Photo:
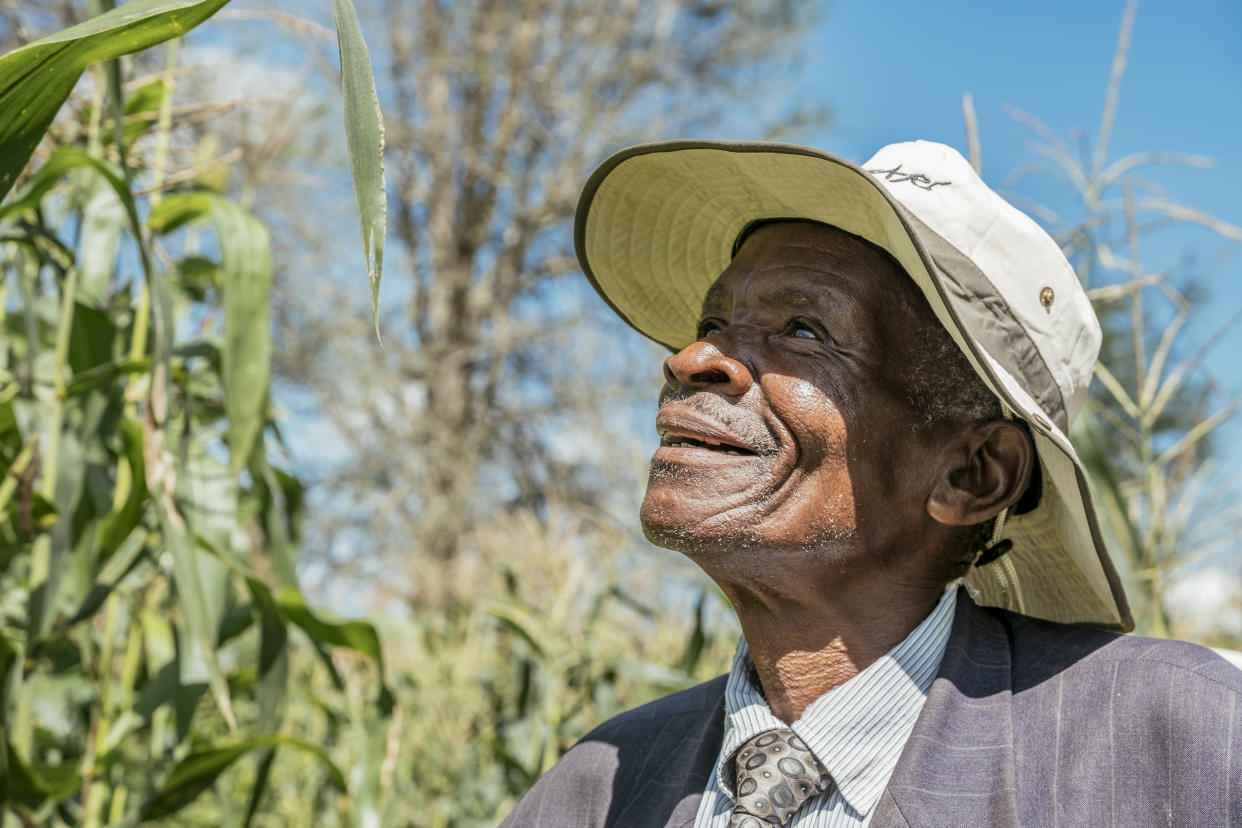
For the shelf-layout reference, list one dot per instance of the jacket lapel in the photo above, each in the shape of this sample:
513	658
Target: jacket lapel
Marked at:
668	794
958	766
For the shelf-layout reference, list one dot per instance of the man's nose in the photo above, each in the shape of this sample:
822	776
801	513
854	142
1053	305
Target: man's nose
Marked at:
703	364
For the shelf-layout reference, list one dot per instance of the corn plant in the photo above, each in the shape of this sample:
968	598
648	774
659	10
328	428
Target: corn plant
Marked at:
1145	434
147	541
569	626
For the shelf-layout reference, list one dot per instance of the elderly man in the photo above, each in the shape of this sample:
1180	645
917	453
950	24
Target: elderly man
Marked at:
863	442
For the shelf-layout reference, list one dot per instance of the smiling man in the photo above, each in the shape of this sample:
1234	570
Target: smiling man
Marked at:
863	443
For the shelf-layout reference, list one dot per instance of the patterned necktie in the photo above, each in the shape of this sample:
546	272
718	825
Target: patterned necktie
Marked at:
776	773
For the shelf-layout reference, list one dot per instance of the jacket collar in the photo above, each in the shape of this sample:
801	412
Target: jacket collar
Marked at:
958	765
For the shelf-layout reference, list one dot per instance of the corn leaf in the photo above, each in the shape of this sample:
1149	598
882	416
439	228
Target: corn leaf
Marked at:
260	784
37	78
364	137
119	565
273	657
246	272
270	688
246	282
62	162
522	623
105	374
21	788
196	772
359	636
1106	486
103	225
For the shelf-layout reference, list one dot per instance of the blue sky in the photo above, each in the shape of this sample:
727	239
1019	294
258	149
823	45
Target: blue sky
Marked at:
897	70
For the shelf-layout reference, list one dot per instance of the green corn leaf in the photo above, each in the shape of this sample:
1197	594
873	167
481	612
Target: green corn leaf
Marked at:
179	209
522	623
141	109
198	275
119	565
356	635
9	483
9	656
92	338
105	374
10	434
280	502
59	164
270	688
37	78
364	137
21	787
39	185
162	668
118	525
359	636
260	785
698	638
103	226
198	771
246	274
273	656
246	282
66	160
193	573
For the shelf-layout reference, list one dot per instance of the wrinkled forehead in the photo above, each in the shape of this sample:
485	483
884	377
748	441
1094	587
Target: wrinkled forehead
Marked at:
799	263
776	291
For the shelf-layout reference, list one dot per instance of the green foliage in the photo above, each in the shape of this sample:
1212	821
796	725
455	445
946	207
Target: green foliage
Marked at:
496	690
146	541
37	78
364	134
245	281
196	772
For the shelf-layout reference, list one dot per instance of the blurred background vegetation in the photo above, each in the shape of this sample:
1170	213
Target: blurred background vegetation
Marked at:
210	458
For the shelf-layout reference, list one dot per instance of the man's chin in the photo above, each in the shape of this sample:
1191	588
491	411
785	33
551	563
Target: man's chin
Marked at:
682	525
688	506
669	536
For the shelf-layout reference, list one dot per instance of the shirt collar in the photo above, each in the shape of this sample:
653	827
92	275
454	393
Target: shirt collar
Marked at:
856	730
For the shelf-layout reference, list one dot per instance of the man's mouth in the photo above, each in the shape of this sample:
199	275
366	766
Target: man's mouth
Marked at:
689	434
682	441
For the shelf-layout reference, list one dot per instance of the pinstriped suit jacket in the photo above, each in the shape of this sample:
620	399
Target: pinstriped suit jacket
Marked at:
1027	723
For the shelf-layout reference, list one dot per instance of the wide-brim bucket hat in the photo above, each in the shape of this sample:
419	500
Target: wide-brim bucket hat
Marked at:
657	224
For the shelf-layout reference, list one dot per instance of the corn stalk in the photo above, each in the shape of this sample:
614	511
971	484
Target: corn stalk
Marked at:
146	541
1145	435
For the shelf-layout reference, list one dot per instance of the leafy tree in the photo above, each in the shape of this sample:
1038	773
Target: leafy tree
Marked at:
477	404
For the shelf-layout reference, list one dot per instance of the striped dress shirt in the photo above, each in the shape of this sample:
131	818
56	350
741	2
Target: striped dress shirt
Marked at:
856	731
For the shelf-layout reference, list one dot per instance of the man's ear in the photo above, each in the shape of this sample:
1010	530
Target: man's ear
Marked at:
988	466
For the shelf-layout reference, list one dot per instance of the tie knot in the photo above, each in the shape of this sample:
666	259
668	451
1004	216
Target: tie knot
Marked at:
776	773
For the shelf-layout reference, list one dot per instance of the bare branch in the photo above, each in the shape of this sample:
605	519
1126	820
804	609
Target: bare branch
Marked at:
1111	293
972	132
1113	94
1200	431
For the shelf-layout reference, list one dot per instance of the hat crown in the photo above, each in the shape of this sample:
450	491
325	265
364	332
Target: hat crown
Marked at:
1020	262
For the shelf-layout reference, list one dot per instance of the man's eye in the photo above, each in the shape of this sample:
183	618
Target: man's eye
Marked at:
708	327
802	331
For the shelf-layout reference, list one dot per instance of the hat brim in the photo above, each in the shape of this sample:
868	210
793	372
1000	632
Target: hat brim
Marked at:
656	225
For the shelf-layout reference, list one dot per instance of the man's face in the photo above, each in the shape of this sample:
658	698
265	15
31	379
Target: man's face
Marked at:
787	427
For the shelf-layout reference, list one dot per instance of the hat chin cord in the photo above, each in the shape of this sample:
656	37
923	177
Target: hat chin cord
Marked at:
997	547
